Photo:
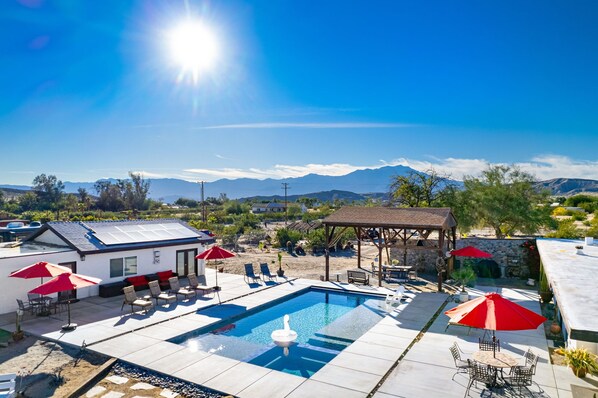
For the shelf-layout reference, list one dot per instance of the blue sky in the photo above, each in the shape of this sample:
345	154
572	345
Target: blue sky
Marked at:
90	88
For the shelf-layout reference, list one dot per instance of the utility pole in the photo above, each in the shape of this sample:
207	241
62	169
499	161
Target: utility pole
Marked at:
203	204
285	186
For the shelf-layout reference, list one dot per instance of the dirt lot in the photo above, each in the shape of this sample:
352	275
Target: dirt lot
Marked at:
46	369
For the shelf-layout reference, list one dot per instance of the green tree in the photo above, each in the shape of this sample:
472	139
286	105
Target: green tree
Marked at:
316	238
504	198
593	230
284	235
49	191
134	192
417	189
84	198
71	203
110	196
29	201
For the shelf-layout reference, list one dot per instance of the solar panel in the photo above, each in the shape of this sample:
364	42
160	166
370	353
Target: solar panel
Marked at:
140	233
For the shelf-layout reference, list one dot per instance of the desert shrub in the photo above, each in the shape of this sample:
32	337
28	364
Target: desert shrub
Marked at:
559	211
285	235
566	230
578	216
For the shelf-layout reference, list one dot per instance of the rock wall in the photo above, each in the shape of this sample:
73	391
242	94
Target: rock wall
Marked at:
508	253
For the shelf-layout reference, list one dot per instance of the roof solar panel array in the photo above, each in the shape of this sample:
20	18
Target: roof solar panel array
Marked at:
123	234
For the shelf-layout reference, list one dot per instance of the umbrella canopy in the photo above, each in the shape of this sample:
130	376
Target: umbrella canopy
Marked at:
494	312
215	253
470	251
63	282
41	269
66	281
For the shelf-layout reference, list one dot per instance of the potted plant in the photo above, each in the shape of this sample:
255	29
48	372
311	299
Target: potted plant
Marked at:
464	276
544	290
579	360
18	333
280	271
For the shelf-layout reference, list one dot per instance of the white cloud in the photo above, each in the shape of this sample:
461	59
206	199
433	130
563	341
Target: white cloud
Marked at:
276	125
543	167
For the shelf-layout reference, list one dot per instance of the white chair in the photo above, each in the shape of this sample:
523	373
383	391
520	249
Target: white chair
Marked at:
8	385
396	297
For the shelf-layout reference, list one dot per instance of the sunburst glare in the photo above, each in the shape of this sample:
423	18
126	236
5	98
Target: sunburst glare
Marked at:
194	48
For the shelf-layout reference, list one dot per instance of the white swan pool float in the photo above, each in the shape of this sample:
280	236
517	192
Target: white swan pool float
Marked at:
284	337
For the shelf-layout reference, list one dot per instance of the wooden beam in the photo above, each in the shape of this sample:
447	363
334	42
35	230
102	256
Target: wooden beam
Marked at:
327	254
358	233
379	258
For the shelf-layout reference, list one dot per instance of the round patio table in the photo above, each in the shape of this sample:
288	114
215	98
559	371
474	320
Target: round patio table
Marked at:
500	360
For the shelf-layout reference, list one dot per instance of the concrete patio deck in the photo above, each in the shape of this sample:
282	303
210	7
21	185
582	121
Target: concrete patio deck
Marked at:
393	359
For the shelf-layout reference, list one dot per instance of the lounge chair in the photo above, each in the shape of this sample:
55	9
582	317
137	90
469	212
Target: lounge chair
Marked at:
8	385
134	301
250	274
265	271
158	294
176	288
397	297
195	285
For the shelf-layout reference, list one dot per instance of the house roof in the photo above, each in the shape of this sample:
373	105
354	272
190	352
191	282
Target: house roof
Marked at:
271	205
393	217
573	278
105	236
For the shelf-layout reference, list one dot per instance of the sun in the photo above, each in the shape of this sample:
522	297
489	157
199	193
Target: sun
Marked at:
193	47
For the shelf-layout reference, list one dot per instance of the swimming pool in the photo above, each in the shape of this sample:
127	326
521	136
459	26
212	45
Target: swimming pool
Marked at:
326	323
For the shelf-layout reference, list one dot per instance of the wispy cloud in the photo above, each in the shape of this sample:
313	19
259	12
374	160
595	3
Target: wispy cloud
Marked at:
335	125
543	167
222	157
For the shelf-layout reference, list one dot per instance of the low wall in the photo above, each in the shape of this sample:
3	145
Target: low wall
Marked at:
506	252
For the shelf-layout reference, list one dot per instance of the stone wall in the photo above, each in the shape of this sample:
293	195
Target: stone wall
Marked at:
508	253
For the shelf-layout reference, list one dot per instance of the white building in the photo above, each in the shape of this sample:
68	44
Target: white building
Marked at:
268	208
572	275
109	250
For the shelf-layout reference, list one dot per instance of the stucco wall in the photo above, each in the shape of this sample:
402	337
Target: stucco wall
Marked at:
96	265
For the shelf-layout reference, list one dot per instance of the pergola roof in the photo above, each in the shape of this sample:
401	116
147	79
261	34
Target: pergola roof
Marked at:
392	217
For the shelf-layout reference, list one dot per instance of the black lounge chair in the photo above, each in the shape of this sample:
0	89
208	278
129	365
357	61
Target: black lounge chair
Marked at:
250	274
265	271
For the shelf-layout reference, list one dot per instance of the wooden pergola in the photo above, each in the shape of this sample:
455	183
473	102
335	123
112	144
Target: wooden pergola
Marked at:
394	228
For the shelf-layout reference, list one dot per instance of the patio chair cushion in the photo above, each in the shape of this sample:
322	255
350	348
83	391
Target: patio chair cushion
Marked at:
163	276
139	281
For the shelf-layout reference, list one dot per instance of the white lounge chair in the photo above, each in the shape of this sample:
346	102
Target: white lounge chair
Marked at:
8	385
396	297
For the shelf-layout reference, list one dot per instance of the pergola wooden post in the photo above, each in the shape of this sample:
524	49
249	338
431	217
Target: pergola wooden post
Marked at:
393	225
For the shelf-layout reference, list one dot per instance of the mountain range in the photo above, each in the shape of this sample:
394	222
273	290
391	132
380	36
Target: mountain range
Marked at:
353	186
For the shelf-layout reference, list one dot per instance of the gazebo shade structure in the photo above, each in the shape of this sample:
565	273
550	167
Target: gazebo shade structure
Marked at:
395	226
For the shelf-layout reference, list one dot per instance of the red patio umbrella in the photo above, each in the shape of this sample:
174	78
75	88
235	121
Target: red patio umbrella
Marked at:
63	282
494	312
41	270
215	253
470	251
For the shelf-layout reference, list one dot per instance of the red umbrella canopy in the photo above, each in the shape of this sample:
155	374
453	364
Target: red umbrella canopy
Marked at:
40	270
494	312
215	253
470	251
64	282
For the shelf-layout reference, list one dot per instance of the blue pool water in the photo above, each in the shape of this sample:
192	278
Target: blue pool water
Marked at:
326	323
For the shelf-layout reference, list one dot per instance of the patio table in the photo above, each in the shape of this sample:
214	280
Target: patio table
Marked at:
498	360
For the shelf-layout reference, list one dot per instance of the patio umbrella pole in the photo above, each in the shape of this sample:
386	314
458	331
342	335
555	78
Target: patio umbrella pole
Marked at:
69	325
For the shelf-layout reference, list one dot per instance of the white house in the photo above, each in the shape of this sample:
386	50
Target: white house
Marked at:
109	250
268	208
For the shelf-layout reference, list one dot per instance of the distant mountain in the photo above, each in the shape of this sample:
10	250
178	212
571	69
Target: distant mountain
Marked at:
569	186
325	196
359	183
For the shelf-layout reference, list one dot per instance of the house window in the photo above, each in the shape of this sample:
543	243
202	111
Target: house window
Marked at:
123	266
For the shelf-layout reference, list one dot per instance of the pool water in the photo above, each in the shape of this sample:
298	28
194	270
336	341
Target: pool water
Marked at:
326	323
